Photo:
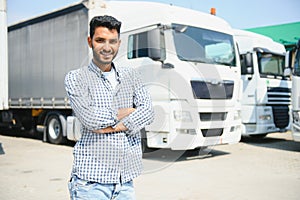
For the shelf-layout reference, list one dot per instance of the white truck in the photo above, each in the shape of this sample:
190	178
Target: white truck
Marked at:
294	63
266	97
187	59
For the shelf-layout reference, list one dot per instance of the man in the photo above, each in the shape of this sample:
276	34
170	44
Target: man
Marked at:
113	106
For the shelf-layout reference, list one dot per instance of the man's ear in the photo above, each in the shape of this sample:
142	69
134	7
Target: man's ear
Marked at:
89	40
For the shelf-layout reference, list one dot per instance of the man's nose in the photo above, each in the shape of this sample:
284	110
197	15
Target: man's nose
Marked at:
106	45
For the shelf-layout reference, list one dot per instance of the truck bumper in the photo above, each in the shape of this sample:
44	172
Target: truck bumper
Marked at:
188	139
257	129
296	132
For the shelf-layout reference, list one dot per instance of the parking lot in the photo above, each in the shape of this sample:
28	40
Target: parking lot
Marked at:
267	168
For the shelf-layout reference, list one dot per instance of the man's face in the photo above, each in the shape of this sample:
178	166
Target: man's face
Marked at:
105	44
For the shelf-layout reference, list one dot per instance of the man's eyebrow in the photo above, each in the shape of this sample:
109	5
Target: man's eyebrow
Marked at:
101	38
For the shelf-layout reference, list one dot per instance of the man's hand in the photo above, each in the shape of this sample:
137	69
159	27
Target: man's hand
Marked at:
123	112
120	127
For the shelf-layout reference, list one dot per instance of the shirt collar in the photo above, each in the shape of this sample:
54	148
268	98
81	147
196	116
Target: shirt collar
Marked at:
97	70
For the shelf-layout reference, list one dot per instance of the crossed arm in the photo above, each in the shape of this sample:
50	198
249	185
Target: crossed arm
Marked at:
104	119
123	112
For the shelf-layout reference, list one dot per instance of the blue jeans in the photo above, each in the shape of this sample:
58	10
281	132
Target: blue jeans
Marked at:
85	190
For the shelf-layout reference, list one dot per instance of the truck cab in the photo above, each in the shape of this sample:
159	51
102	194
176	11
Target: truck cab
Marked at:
293	58
192	70
266	97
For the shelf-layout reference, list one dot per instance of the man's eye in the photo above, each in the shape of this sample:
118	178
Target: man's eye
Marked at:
113	41
100	40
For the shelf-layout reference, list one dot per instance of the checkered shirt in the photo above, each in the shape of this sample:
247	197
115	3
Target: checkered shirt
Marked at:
108	158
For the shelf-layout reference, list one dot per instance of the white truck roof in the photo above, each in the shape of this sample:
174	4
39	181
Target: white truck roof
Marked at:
163	13
136	14
248	40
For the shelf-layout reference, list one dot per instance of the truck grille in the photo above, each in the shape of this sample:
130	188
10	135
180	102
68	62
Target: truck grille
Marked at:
281	116
212	132
219	116
212	90
278	95
280	98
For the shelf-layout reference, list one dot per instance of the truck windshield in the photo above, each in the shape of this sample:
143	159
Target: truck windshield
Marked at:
202	45
271	64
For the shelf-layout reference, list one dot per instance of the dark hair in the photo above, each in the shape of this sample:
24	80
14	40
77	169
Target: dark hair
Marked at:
104	21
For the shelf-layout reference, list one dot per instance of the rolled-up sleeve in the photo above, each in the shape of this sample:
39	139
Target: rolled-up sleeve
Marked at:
89	114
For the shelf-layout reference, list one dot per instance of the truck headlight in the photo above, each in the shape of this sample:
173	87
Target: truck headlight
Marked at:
265	117
184	116
186	131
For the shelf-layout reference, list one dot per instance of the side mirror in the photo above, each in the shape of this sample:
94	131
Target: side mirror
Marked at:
155	50
249	63
287	72
248	58
249	70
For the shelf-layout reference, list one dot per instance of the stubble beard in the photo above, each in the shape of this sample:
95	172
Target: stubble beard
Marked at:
102	62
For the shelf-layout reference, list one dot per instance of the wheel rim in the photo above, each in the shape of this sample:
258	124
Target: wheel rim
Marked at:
54	128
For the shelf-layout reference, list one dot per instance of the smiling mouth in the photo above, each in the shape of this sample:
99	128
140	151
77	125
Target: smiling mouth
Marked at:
106	54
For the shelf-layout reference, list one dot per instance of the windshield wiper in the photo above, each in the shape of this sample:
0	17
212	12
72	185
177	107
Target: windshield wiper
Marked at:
224	63
273	74
196	60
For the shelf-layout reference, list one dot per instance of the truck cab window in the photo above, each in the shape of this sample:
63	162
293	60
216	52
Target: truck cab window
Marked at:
271	64
147	44
203	45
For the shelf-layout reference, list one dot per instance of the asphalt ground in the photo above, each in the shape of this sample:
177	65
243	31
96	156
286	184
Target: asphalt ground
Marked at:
254	169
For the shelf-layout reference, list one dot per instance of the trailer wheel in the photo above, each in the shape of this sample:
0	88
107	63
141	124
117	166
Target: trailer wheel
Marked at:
54	129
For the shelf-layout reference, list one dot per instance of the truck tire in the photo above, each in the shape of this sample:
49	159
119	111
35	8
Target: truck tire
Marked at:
54	129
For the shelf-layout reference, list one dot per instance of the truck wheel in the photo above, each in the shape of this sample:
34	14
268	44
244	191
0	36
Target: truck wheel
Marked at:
54	130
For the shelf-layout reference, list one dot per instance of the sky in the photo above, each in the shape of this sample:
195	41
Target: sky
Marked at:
240	14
